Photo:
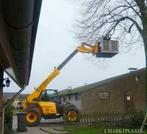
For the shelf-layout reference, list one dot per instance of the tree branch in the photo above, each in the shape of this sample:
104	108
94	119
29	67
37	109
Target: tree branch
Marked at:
133	8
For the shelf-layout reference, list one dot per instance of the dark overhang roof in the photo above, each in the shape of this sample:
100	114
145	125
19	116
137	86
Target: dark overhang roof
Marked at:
18	27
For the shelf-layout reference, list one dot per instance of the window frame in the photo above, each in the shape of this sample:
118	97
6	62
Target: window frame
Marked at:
104	95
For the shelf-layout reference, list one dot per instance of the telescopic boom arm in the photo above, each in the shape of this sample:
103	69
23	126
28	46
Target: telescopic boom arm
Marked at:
84	48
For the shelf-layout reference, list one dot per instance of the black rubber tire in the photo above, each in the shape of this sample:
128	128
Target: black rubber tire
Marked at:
37	113
71	109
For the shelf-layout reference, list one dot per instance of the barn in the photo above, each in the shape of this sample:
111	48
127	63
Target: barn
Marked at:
121	94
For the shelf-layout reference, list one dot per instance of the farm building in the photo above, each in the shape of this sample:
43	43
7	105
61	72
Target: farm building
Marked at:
121	94
9	95
18	101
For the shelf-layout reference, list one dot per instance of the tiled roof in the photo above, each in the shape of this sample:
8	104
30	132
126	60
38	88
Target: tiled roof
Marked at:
9	95
97	84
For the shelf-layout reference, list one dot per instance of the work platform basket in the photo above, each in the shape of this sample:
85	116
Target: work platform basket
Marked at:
107	48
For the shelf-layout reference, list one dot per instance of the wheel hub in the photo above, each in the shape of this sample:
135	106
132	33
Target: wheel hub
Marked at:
72	116
31	117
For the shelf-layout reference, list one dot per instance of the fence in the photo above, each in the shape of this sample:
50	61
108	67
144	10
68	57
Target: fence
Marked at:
111	119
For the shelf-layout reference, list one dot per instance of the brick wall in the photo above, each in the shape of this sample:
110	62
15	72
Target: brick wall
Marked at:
126	94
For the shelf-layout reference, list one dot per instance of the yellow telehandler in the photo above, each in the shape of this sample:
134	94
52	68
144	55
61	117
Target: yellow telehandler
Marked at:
46	102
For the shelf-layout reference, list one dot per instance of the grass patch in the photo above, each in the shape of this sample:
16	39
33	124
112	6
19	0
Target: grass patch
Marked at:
101	130
83	129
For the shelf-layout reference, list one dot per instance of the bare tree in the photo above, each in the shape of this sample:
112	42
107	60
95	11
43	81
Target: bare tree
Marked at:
116	18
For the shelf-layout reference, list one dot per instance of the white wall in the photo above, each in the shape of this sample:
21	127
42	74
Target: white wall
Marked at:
72	100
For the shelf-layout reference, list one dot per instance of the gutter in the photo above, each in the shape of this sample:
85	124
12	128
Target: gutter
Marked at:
21	22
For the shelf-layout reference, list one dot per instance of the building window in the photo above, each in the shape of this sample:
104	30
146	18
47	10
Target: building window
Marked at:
69	97
104	95
64	98
76	96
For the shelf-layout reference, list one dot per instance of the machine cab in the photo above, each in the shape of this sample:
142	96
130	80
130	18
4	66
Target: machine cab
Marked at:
50	104
50	95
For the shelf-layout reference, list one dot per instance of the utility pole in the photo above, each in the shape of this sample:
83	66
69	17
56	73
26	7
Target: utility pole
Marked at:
1	98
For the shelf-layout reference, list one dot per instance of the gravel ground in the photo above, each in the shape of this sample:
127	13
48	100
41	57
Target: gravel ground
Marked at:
52	126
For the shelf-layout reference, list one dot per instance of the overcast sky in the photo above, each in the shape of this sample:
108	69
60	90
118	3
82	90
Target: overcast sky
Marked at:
55	41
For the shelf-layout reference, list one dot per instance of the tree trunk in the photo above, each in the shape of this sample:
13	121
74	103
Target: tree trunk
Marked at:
1	99
146	80
143	12
145	49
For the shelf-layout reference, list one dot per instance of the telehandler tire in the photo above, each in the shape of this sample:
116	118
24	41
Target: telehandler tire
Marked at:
33	117
71	115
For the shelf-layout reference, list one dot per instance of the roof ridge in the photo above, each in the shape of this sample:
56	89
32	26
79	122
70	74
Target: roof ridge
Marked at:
99	83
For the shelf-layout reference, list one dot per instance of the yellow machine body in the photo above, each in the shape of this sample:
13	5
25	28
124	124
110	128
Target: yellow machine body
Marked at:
48	107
